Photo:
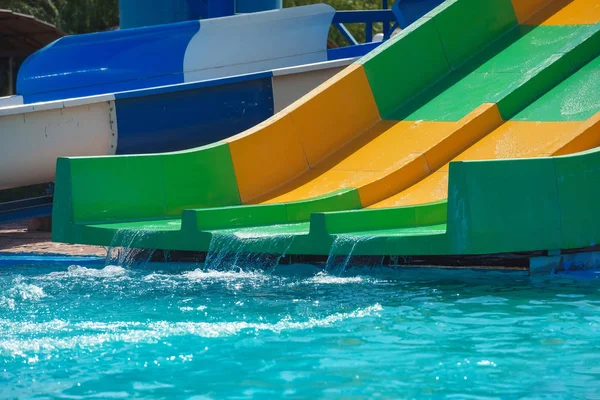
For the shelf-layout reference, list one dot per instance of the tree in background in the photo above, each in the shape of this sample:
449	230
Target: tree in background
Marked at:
71	16
83	16
357	30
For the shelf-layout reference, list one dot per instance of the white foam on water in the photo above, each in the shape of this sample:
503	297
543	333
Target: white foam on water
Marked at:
76	271
212	275
324	279
7	302
24	291
100	333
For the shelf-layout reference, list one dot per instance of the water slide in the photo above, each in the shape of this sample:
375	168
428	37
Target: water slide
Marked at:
161	88
472	132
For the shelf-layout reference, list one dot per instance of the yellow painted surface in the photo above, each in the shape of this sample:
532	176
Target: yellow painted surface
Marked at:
433	154
514	139
389	157
475	125
266	156
568	12
413	170
277	151
525	9
589	138
335	113
383	149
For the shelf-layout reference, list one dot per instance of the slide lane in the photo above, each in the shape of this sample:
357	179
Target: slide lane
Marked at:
394	154
564	120
328	125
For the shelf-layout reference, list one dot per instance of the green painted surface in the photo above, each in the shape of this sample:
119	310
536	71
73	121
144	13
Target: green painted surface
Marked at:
141	187
466	27
578	181
378	219
62	207
588	50
160	186
237	216
575	99
203	178
388	66
270	214
451	33
344	199
516	196
513	71
104	189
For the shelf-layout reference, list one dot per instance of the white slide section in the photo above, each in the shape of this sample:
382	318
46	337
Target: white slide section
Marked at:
290	84
11	101
33	136
264	41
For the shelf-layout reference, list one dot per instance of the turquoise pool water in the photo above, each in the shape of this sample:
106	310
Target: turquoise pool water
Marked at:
176	332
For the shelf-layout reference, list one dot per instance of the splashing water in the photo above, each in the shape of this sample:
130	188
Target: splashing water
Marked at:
345	244
236	251
124	248
204	332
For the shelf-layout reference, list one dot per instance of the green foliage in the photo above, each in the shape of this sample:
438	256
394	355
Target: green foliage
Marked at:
357	30
82	16
71	16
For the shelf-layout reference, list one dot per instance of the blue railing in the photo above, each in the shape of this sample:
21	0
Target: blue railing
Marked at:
402	14
368	17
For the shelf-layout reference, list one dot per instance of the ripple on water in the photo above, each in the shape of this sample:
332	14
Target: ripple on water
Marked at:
85	335
167	333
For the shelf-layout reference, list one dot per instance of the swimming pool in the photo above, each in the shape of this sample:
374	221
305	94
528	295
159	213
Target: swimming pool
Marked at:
175	331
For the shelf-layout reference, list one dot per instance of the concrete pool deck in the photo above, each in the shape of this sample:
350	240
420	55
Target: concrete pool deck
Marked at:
16	238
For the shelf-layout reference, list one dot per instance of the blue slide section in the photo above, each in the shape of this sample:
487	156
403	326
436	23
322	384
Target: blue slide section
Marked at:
159	120
84	65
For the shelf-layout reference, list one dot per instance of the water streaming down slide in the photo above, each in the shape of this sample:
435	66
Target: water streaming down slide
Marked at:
469	81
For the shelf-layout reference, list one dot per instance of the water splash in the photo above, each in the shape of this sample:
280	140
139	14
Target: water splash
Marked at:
337	264
322	278
124	248
224	276
235	251
24	291
21	292
76	271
